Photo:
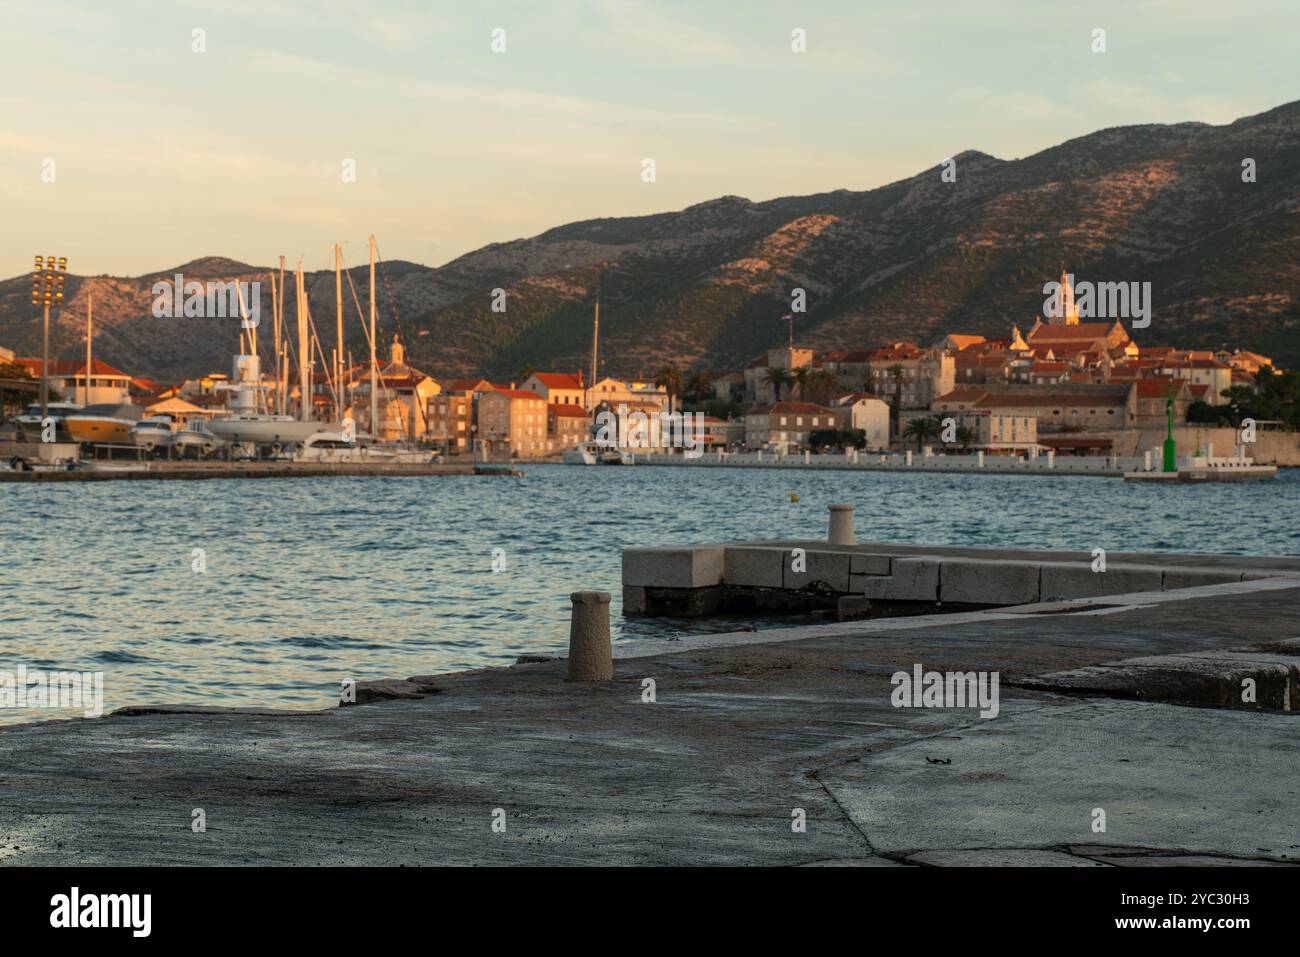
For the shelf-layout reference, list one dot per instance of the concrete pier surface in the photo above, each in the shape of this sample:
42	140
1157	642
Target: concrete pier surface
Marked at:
711	749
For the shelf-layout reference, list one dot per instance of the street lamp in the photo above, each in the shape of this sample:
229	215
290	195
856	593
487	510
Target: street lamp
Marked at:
47	289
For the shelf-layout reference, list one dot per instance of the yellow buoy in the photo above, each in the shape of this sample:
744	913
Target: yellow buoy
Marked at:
793	497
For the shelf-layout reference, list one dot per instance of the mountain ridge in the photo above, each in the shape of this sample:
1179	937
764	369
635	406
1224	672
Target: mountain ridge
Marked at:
706	286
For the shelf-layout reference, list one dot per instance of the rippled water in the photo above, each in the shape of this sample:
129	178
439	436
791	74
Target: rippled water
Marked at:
313	581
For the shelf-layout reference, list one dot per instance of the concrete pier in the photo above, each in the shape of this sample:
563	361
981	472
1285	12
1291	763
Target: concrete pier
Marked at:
746	577
1128	703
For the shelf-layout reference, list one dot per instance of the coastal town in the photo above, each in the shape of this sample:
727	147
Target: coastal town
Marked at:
1059	385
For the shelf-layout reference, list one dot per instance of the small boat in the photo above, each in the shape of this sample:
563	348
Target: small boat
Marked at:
154	433
328	447
102	423
197	438
29	423
588	453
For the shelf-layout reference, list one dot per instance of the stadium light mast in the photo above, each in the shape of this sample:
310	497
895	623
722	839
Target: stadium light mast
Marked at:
47	289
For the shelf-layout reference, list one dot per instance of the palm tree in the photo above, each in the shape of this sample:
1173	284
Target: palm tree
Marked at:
799	380
921	429
670	380
777	377
698	386
966	437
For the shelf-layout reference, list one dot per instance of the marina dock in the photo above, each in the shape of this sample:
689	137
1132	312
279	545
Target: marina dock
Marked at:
1129	703
161	471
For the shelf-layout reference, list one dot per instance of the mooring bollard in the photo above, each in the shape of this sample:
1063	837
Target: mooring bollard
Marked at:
590	655
841	532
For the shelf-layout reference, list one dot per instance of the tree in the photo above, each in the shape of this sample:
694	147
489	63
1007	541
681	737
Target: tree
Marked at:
921	429
15	397
799	380
966	437
777	377
820	439
698	387
670	380
820	386
526	372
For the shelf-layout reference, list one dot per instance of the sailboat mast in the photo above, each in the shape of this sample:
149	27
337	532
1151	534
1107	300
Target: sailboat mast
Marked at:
338	317
595	339
374	385
89	300
304	350
279	347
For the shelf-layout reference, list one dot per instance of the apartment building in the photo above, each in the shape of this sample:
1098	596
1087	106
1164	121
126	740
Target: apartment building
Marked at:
512	422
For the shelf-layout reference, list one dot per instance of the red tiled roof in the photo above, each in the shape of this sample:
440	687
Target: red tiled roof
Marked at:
568	409
1082	330
851	355
70	367
520	394
558	380
1156	388
897	350
962	395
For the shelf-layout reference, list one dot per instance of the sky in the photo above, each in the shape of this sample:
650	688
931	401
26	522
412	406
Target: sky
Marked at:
162	153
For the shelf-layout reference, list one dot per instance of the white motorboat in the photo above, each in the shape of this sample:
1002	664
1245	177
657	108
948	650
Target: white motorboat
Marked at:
588	453
593	453
197	438
154	433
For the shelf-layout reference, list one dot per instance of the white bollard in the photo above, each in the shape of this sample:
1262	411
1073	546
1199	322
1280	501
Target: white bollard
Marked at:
907	458
1051	458
979	458
841	530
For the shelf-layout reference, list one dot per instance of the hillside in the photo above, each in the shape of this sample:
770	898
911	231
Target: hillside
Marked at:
706	286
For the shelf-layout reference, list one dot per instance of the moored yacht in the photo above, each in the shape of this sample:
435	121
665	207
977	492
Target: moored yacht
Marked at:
246	424
102	423
29	423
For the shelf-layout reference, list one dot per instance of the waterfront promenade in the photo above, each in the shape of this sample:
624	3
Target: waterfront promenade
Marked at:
1099	466
745	731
